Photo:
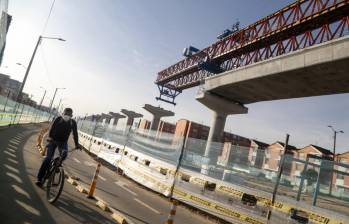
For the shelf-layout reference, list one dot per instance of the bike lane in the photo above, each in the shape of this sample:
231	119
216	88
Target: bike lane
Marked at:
20	200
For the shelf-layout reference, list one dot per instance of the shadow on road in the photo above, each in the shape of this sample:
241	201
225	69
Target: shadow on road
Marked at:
19	201
74	207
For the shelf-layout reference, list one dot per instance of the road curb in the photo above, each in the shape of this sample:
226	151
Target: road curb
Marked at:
81	189
74	180
100	203
118	217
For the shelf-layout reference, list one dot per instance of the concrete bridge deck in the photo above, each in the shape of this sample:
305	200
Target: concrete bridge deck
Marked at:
319	70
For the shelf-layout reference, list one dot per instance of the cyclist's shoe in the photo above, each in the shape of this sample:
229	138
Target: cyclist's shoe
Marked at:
38	183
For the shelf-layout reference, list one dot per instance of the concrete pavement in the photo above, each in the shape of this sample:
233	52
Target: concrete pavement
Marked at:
20	200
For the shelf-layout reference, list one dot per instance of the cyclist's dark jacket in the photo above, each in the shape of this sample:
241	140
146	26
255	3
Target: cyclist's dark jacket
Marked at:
60	130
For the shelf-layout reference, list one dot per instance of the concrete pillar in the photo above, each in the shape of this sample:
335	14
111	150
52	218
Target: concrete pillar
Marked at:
221	108
157	113
116	117
131	115
215	134
105	119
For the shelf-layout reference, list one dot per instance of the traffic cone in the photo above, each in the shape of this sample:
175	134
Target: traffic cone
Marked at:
94	182
170	218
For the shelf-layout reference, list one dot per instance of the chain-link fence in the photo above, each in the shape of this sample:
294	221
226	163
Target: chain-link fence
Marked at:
16	113
235	182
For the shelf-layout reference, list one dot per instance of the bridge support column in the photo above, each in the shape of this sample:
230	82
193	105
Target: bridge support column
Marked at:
157	113
116	117
221	108
131	115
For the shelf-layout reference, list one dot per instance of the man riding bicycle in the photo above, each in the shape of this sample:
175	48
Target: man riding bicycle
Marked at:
58	136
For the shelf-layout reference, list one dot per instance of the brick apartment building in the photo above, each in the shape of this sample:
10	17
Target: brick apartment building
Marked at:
341	180
272	161
243	157
165	130
256	153
234	156
197	134
317	151
144	124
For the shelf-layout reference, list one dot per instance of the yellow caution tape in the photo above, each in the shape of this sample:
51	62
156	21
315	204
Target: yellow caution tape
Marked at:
197	200
279	206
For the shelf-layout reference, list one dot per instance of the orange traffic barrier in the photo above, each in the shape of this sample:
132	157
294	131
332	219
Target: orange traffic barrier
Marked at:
170	218
40	139
94	182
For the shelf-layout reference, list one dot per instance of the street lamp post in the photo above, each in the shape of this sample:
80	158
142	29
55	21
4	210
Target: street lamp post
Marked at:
54	96
335	132
19	95
59	104
8	95
31	62
39	107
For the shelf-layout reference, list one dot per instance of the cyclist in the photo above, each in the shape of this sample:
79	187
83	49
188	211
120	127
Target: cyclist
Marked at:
58	136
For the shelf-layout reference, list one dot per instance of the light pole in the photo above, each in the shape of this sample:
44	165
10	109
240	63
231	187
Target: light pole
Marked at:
54	96
31	62
334	152
41	101
59	104
19	95
8	95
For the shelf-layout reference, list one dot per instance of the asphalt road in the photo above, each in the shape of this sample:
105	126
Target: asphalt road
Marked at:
139	204
21	202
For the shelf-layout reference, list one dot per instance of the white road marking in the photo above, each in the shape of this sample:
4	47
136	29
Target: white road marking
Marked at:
102	178
147	206
88	163
76	160
122	185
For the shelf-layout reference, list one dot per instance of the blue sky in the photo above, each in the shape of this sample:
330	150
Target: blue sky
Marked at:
115	48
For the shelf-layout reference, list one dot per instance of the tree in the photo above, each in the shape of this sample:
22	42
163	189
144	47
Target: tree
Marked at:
310	175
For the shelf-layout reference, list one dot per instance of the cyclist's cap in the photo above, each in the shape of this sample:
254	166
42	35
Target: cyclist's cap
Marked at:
68	111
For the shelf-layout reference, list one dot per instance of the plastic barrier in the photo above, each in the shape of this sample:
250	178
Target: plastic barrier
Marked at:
158	176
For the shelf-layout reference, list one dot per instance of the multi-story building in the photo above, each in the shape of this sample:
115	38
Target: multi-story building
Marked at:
196	136
272	160
257	153
9	87
318	151
341	177
166	127
234	156
244	158
5	21
166	131
236	139
144	124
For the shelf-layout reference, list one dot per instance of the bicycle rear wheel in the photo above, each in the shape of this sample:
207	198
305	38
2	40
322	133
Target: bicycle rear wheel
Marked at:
55	184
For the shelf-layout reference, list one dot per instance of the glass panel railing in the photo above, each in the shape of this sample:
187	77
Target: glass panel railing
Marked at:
12	113
240	177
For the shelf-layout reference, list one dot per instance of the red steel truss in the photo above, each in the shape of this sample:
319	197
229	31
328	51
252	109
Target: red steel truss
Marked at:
297	26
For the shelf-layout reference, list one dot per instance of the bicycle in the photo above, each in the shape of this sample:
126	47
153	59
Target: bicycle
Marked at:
55	178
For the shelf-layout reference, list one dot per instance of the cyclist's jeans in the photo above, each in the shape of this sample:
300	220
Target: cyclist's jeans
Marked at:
51	148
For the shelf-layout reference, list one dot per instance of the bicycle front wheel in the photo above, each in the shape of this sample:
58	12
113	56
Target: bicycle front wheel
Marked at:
55	184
